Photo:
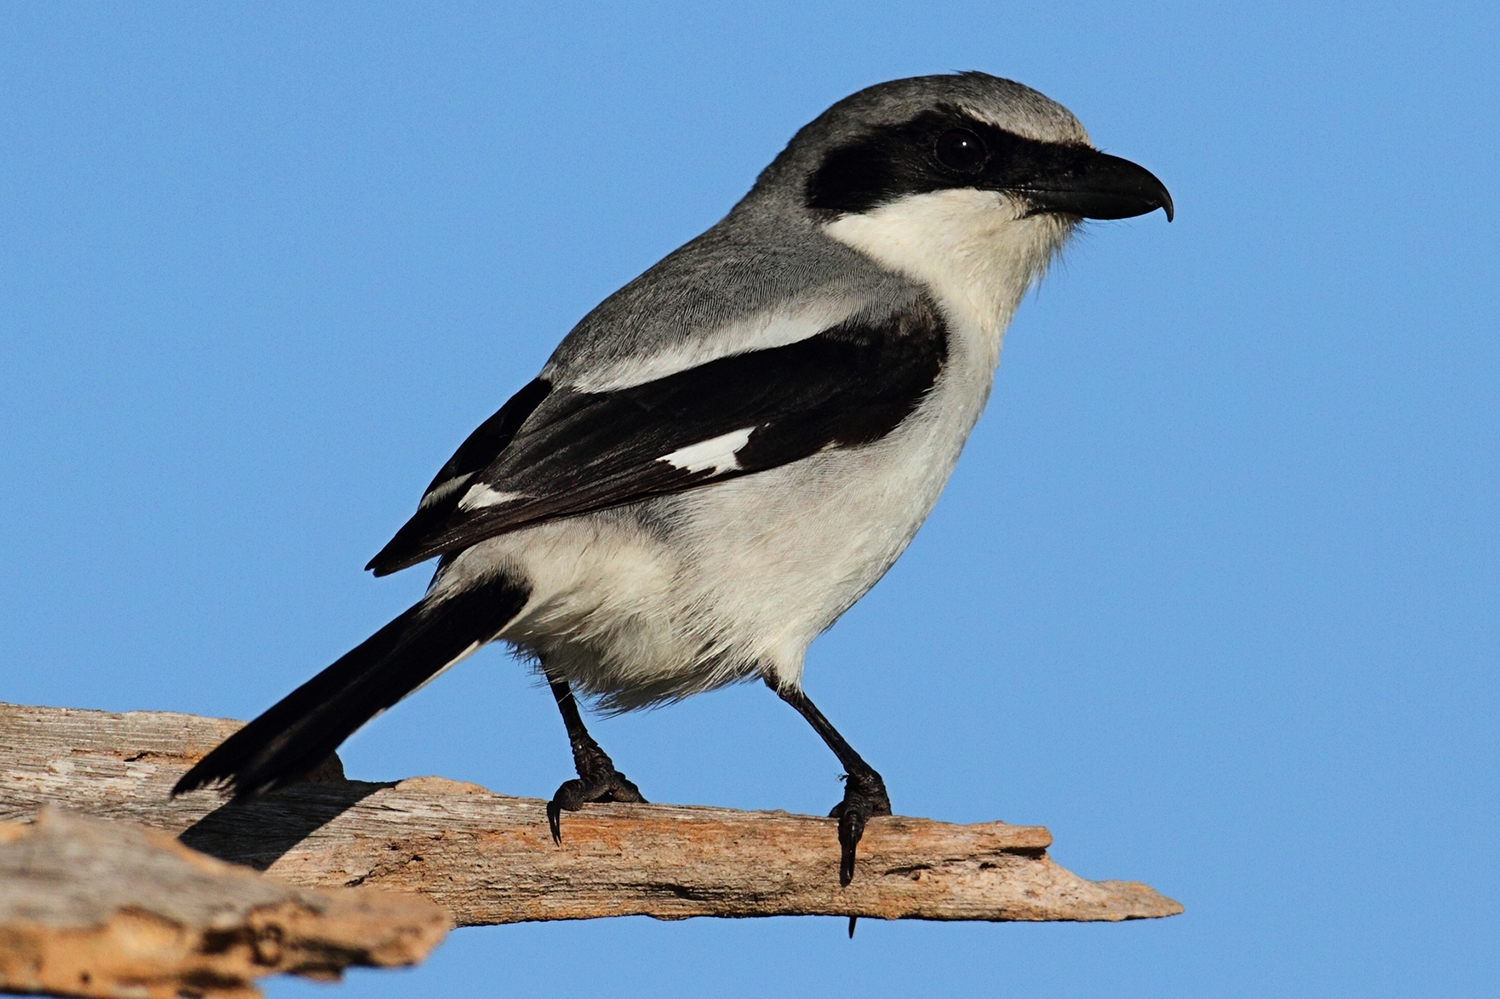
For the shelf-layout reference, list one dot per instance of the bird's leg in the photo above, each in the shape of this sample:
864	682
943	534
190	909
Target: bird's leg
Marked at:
864	790
598	780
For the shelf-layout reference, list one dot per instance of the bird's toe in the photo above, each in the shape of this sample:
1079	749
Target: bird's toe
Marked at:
864	796
574	794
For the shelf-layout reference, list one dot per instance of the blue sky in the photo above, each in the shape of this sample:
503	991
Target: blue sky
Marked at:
1213	592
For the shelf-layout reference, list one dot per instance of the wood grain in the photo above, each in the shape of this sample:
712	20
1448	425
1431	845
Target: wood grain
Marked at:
487	858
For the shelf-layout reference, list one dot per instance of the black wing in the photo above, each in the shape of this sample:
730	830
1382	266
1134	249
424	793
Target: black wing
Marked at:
555	453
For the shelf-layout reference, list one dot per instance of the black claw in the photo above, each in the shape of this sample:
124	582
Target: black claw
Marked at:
610	785
864	796
851	830
852	921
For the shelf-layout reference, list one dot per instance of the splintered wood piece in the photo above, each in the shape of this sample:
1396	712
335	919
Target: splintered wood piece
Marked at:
488	858
95	908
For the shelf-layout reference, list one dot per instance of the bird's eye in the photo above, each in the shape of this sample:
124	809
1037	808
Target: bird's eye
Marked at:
961	150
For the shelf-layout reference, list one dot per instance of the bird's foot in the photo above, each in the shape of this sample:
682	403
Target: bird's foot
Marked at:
864	796
598	781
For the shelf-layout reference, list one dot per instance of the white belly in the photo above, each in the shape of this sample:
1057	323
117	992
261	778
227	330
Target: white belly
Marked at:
681	594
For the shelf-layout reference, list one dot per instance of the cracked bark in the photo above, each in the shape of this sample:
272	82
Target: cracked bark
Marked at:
488	858
92	908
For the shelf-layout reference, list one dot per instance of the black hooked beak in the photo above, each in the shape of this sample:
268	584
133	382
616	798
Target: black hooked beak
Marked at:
1100	186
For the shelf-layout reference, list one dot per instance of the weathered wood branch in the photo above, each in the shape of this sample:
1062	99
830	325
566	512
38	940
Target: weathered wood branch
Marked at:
91	908
488	858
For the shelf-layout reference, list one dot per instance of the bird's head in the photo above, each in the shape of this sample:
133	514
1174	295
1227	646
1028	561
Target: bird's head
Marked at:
968	182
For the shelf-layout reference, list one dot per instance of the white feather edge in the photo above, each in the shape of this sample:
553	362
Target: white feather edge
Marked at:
793	322
482	495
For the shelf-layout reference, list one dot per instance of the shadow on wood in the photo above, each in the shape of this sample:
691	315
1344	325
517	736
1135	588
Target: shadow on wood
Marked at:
259	833
488	858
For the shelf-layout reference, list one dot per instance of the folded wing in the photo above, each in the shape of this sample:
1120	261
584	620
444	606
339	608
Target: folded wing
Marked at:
555	452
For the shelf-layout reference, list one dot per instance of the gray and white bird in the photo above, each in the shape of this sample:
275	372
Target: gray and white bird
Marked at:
729	451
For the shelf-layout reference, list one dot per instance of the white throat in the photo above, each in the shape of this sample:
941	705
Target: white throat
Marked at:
974	249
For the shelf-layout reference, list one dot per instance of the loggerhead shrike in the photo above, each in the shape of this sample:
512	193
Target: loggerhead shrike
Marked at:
729	451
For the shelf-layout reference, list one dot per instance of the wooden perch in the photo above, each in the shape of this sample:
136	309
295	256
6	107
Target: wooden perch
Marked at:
488	858
90	908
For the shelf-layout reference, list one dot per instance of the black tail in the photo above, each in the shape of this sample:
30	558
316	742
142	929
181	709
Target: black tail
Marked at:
304	728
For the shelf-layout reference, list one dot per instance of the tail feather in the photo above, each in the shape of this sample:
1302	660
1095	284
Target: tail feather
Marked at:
304	728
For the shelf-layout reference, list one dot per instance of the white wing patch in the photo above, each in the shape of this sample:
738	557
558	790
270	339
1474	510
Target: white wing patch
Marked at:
482	496
716	453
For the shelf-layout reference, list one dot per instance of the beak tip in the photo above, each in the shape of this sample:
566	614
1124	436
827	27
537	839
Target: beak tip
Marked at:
1103	187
